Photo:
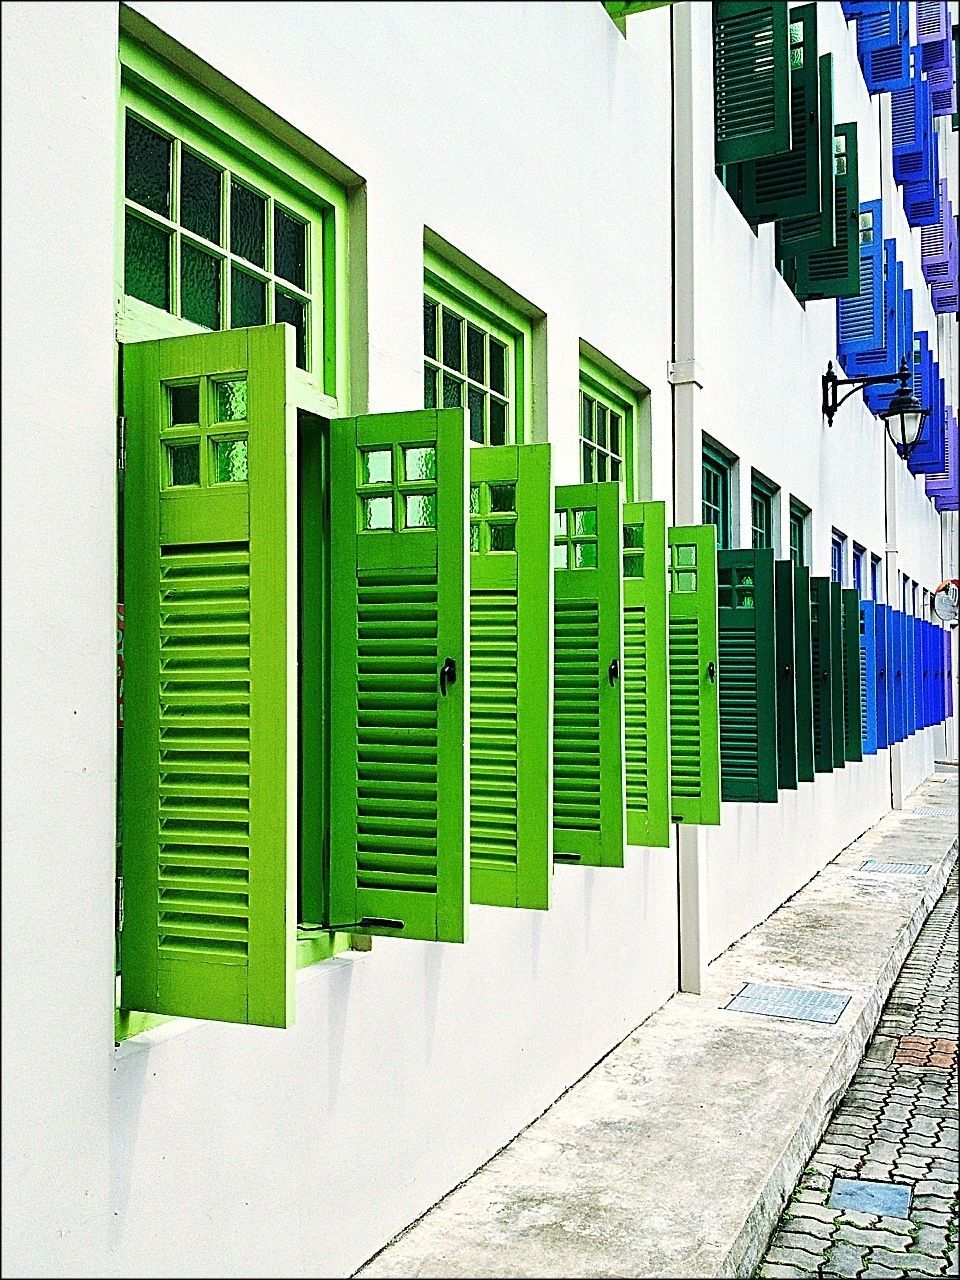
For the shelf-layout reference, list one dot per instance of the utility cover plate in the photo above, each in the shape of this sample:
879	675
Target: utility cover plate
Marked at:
885	1199
896	868
789	1002
932	811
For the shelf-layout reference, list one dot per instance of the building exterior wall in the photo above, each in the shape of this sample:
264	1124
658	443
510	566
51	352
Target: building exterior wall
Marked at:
537	141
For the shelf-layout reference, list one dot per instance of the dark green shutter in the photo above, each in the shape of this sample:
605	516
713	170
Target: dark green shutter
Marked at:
788	185
694	706
751	80
786	675
210	745
852	702
510	524
836	664
399	731
822	667
748	686
816	231
803	657
835	273
645	672
588	801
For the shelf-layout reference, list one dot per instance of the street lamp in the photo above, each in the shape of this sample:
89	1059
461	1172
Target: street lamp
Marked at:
904	416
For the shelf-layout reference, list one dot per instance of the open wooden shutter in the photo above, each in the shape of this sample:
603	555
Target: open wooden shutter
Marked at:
786	675
817	231
803	660
835	273
881	644
399	679
868	675
748	685
822	661
852	677
788	185
694	693
895	675
910	674
210	764
751	79
645	672
510	633
837	664
588	801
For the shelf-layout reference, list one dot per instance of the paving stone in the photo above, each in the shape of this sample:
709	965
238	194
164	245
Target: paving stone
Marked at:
846	1259
801	1258
809	1195
816	1212
775	1270
857	1219
930	1217
881	1272
871	1238
934	1188
932	1240
914	1264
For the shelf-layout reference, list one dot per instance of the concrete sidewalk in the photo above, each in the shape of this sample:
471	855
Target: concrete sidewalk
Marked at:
675	1155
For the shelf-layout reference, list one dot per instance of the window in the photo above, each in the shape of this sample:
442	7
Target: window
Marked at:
609	418
476	351
715	491
798	531
838	553
859	555
876	581
761	511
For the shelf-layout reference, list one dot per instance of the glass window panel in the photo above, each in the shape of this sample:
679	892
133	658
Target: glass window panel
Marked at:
452	392
601	466
498	366
184	404
376	466
614	423
503	497
248	213
475	399
289	310
199	286
560	555
420	463
146	264
585	521
429	387
248	303
586	463
474	499
452	340
147	178
685	555
184	463
429	328
498	421
289	248
377	513
200	196
586	416
584	555
231	464
560	523
232	400
633	535
421	510
475	537
685	581
614	469
633	565
601	426
476	362
503	537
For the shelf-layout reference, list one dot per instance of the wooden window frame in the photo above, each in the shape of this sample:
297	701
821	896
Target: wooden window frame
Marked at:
838	556
716	462
617	396
762	494
799	515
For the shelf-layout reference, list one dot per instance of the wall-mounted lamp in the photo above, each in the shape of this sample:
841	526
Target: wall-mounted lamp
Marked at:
904	416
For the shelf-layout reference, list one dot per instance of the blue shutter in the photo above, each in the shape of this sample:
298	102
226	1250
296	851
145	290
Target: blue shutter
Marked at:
860	319
899	676
877	398
910	675
881	642
868	675
879	358
929	455
921	195
884	48
912	116
933	34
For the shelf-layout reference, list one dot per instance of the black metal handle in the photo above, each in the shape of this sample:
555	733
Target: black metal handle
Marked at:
787	670
613	671
448	675
824	677
712	672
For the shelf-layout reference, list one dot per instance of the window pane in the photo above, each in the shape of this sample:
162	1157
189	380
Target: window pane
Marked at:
421	510
475	354
474	499
232	467
452	330
429	328
560	523
248	304
232	400
376	466
420	463
475	537
585	522
377	513
584	555
503	497
248	213
184	404
560	555
587	406
498	366
200	196
429	387
503	537
614	433
601	466
288	310
147	263
289	248
452	392
147	167
475	399
633	535
199	286
601	426
586	460
184	463
498	422
633	565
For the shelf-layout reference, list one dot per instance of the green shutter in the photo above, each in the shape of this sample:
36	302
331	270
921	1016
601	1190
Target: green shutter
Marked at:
588	802
816	231
748	686
645	672
786	675
398	722
209	768
803	666
852	705
510	523
694	705
751	80
822	666
788	185
836	663
835	273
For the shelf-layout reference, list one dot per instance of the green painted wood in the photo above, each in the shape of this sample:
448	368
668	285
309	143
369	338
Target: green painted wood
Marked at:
398	831
803	666
751	80
588	798
313	664
836	663
210	824
822	666
787	185
510	654
693	689
748	684
786	675
646	724
852	704
835	272
624	8
817	231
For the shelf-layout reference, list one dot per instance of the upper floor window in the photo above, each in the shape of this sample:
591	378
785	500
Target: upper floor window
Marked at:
876	581
838	553
715	491
798	531
761	511
609	415
859	556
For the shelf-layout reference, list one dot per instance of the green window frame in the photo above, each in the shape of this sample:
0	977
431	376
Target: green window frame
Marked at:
876	579
715	491
762	493
223	223
477	355
798	532
614	435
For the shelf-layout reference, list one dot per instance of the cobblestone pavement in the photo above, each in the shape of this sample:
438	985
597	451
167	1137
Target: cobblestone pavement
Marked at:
897	1123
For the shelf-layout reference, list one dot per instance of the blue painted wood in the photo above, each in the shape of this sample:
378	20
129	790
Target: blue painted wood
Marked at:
881	643
868	684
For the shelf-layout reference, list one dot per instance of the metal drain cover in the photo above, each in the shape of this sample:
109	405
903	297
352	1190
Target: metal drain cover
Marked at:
896	868
932	811
887	1199
789	1002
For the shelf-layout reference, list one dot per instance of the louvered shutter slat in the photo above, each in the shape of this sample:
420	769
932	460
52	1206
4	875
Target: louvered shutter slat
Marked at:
852	677
835	272
786	675
882	658
803	656
837	662
868	675
928	455
860	319
816	232
822	663
751	79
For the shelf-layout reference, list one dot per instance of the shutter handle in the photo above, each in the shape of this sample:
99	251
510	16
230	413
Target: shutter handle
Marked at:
613	671
712	672
786	671
824	677
448	675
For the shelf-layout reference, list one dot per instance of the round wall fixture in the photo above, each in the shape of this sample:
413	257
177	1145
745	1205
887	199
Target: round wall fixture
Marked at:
946	600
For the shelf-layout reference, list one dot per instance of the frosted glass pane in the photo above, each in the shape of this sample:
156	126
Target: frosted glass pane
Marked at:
503	537
184	404
232	400
452	340
377	513
585	521
633	535
475	399
288	310
503	497
247	220
200	196
232	463
184	463
199	286
147	159
498	366
376	466
584	555
429	387
248	304
289	248
498	422
147	263
429	328
476	361
421	510
420	463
